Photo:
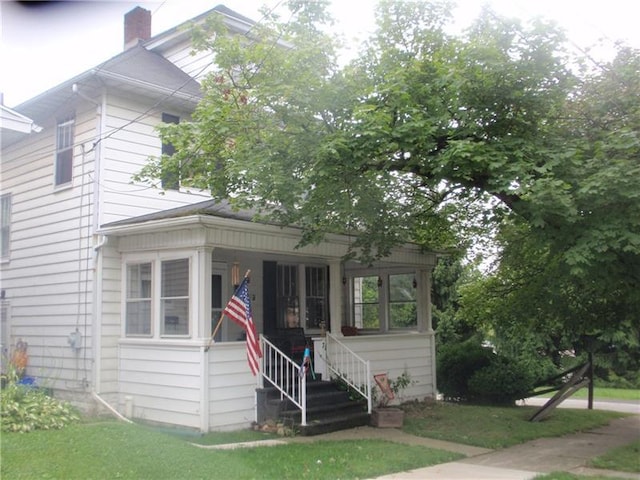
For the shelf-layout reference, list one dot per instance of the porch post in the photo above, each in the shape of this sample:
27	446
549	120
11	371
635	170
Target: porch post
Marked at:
424	301
335	296
202	320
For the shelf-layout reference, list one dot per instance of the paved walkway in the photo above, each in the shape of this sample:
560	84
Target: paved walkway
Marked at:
569	453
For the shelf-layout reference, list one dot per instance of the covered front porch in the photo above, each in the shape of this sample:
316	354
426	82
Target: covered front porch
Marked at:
177	272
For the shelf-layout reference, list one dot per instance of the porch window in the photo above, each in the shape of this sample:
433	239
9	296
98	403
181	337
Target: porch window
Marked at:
64	151
384	302
366	302
316	296
5	225
402	301
174	300
138	308
288	299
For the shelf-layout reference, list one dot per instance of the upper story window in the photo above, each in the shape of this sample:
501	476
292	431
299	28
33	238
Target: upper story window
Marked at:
170	178
5	225
64	151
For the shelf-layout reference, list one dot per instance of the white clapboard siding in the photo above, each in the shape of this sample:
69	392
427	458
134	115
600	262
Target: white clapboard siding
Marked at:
132	140
195	64
109	318
231	387
163	382
418	355
49	278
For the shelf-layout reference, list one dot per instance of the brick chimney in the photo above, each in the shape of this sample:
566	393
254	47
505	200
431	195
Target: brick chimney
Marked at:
137	27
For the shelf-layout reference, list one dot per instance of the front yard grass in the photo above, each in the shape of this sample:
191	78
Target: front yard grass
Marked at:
117	450
625	459
496	427
108	449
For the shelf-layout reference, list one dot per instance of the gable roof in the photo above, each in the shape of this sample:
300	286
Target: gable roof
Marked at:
140	71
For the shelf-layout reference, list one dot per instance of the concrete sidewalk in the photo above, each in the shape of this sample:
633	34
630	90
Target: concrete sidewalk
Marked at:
569	453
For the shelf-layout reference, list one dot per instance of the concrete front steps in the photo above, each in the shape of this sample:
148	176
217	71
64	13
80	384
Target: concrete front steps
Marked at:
329	409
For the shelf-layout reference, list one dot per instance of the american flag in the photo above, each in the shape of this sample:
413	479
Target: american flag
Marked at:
239	310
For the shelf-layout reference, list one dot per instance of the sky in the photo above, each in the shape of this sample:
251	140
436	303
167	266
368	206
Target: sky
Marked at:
46	43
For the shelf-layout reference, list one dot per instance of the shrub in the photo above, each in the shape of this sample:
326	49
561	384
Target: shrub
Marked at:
500	383
469	372
455	365
24	408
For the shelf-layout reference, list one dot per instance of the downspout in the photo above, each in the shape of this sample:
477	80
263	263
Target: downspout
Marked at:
97	249
97	313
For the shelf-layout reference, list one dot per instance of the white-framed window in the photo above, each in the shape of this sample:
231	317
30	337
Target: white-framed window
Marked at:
403	307
157	302
383	301
366	302
288	296
316	297
302	296
174	297
64	151
138	299
5	226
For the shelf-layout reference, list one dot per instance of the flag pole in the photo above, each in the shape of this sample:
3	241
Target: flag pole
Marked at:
215	331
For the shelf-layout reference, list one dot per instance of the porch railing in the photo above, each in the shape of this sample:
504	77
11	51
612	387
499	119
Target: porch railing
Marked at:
349	367
284	374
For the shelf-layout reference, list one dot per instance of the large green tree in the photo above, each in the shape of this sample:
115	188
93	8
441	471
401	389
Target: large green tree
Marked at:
425	136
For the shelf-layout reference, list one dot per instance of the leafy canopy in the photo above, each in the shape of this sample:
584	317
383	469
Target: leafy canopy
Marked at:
426	136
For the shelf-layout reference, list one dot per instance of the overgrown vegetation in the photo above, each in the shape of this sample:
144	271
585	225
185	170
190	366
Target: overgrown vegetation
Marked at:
25	408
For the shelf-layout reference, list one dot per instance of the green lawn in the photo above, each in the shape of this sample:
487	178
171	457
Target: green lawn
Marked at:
116	450
109	449
626	459
603	394
497	427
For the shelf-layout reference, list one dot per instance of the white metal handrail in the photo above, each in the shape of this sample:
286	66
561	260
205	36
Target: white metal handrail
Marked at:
349	367
284	374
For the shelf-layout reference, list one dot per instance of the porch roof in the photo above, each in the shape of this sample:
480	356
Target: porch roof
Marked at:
222	209
217	223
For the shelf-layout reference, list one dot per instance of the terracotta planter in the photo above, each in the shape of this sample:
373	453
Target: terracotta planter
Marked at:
387	417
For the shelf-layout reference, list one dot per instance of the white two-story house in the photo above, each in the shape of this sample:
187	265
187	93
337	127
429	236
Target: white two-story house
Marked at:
116	286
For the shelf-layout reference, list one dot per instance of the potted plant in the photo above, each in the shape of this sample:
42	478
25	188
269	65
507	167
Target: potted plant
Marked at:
384	416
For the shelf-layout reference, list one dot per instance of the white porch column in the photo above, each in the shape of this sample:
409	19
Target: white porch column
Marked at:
425	323
202	293
202	311
335	296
